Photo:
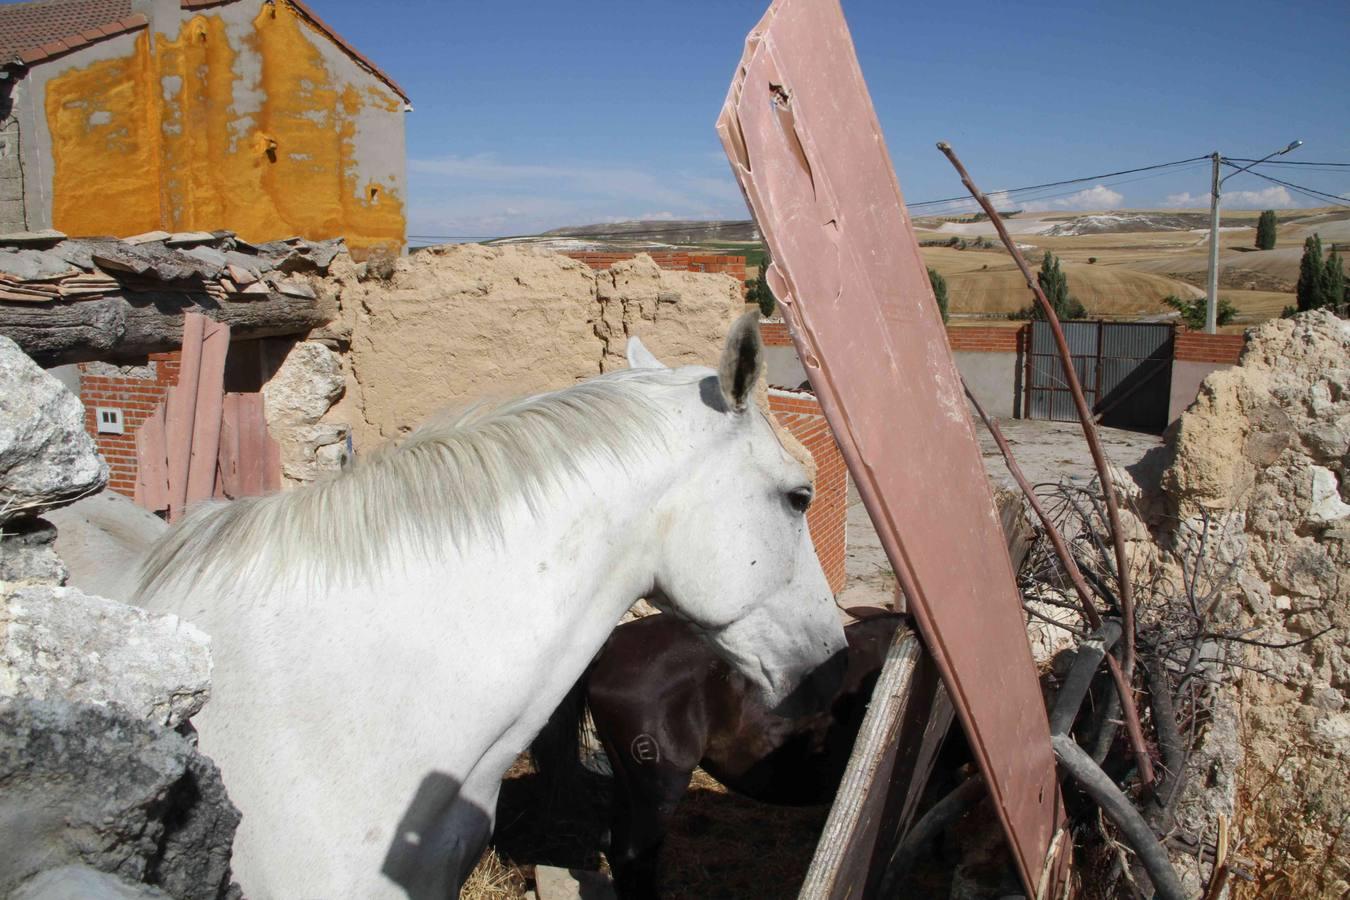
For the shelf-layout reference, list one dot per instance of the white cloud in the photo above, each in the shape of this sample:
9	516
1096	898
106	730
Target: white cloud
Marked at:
1185	200
1274	197
1096	197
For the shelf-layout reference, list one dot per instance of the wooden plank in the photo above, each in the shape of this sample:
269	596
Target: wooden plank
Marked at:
205	450
181	411
253	444
272	467
152	465
843	855
916	758
804	142
229	485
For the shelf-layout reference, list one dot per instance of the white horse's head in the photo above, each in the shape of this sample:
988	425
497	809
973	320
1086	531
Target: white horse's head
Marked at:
736	559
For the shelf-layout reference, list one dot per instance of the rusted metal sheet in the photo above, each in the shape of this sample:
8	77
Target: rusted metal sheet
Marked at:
805	144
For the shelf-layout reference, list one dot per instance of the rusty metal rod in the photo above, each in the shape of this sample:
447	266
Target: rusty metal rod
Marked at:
1080	403
1128	706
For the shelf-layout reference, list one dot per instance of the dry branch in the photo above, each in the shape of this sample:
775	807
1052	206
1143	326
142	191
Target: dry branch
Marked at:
1085	416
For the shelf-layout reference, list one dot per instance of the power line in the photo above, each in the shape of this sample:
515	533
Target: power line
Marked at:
1291	162
1050	184
1038	196
1032	193
1307	191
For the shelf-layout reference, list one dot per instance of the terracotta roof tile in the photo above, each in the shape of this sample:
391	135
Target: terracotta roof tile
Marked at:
27	27
32	32
361	60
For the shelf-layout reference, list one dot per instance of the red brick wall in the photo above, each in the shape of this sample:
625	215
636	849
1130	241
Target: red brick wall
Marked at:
1196	346
983	338
967	338
667	259
775	334
137	397
827	518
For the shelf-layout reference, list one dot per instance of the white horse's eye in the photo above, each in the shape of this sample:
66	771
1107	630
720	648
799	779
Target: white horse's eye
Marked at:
800	498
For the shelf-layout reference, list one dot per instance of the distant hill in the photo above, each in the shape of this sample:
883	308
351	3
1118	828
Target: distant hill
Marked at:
662	231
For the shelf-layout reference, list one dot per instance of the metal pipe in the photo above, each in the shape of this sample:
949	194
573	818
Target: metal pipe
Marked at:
1071	693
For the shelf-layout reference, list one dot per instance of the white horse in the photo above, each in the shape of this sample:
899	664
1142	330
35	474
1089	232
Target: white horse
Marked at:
386	642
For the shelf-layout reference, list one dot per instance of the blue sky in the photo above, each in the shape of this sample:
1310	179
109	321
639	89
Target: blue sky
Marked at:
532	115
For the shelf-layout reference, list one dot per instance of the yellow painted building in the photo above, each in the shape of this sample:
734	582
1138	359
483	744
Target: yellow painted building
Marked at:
176	115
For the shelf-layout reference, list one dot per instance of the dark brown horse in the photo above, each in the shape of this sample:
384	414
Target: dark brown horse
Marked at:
663	703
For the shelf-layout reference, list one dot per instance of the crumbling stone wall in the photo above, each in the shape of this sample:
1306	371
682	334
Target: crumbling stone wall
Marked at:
102	790
462	324
1262	458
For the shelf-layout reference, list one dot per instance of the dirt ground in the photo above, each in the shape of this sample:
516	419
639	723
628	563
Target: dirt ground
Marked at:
1129	273
1046	451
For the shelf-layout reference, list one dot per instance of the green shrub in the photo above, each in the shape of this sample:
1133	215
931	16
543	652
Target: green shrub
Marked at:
1193	311
757	291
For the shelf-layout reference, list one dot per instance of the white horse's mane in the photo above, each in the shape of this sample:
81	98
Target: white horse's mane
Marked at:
443	485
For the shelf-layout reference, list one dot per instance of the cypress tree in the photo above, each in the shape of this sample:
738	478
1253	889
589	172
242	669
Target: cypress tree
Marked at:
1310	278
1055	284
1333	283
939	291
1265	230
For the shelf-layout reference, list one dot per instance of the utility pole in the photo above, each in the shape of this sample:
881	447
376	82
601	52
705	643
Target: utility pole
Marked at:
1212	291
1212	294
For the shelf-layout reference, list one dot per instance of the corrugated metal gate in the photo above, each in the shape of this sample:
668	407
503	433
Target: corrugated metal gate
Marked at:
1125	369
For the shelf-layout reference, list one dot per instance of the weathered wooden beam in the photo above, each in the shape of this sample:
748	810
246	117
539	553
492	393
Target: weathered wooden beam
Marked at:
131	324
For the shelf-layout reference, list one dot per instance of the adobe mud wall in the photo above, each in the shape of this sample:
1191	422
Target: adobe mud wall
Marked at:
464	324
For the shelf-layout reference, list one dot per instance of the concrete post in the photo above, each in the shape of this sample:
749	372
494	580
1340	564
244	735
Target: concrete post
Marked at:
1212	291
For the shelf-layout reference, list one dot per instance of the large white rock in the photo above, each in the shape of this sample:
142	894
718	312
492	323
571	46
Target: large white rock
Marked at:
46	457
61	643
306	385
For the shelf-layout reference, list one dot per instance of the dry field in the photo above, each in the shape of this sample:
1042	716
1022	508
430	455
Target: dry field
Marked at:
1127	274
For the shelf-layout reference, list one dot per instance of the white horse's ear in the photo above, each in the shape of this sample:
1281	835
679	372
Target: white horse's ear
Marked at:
639	357
742	362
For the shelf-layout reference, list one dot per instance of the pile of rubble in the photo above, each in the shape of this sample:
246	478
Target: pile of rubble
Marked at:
104	793
1260	464
45	266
